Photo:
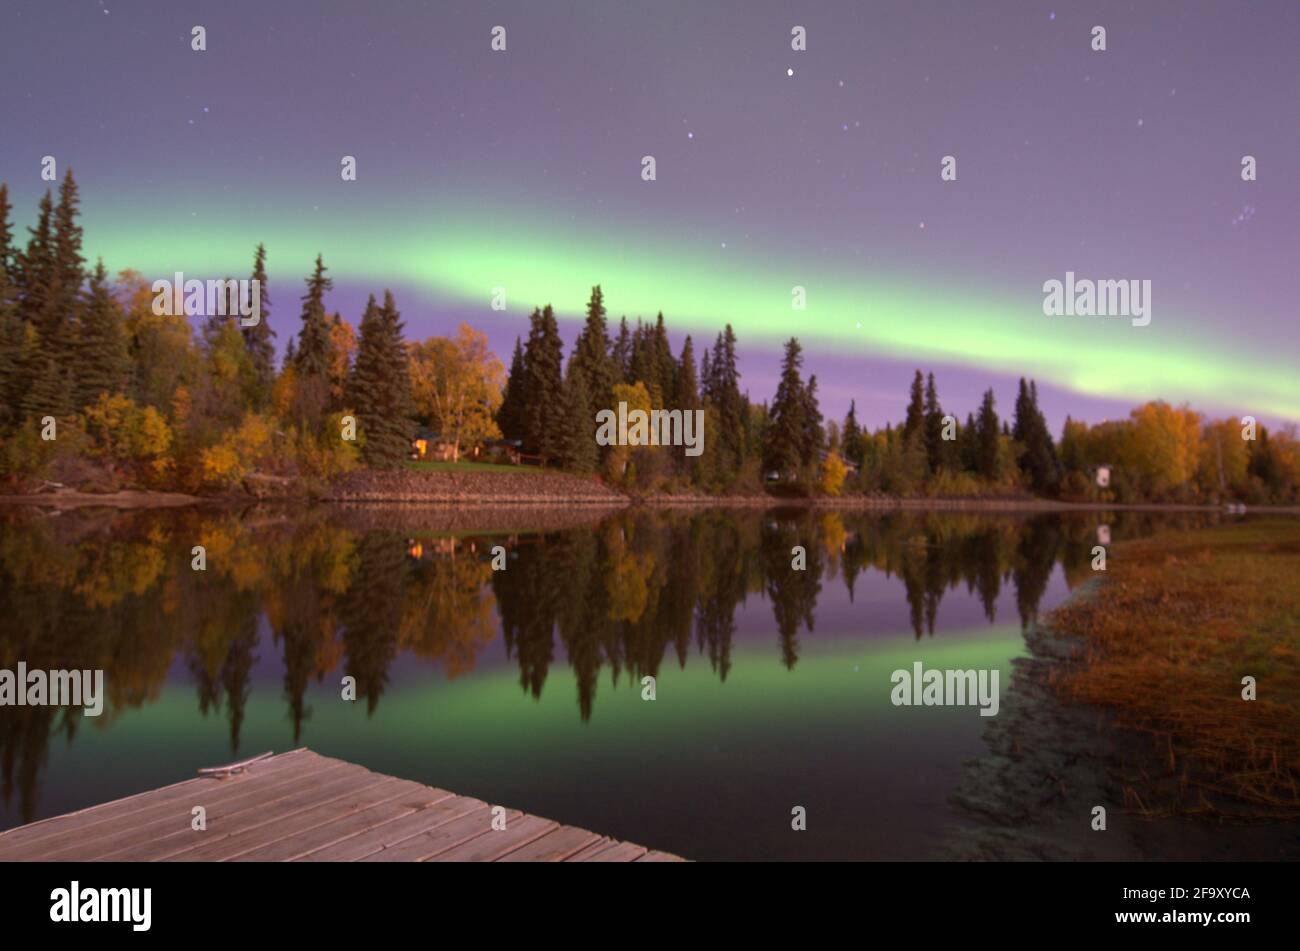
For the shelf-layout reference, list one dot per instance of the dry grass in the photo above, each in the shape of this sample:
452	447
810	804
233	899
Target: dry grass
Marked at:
1177	623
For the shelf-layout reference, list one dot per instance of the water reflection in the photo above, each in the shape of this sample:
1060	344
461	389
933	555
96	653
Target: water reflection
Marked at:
333	593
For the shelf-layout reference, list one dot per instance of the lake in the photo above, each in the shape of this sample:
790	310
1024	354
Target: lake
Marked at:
524	686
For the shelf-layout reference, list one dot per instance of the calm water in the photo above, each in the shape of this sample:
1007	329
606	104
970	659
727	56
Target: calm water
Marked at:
523	687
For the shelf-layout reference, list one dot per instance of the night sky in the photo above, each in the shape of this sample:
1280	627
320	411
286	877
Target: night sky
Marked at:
523	169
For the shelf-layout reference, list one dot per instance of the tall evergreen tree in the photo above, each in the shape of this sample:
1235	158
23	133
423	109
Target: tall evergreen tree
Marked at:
578	449
258	337
686	392
851	435
621	353
102	351
915	422
986	440
314	338
11	328
1038	457
784	442
591	358
40	384
722	389
813	436
934	447
544	390
381	386
510	415
664	366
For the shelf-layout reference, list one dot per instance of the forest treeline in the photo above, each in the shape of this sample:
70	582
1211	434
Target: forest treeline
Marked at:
98	391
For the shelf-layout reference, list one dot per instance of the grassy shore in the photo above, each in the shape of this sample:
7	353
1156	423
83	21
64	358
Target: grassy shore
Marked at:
1176	624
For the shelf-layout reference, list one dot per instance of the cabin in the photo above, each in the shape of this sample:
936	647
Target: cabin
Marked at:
428	445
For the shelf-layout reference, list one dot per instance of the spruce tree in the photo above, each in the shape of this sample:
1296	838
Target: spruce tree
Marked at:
813	436
102	351
259	336
39	378
851	435
311	389
665	368
381	386
510	414
579	451
591	358
787	432
686	393
986	440
544	391
934	448
915	422
621	353
314	337
11	328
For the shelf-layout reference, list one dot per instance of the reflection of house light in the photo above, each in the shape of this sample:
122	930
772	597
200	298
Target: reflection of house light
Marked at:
416	550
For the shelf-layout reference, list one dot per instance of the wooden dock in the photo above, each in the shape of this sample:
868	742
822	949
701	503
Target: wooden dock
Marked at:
303	807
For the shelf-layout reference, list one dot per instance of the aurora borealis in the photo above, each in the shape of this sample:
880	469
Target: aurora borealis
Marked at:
521	169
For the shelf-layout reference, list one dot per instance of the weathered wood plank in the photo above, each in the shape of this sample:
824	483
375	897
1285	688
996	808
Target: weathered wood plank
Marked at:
555	846
444	836
390	834
88	840
619	852
295	814
120	809
494	843
301	806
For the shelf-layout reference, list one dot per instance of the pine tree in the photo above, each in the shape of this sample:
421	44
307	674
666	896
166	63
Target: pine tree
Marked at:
39	379
665	369
579	451
69	273
722	389
915	421
11	328
381	386
311	359
686	393
986	440
621	353
510	415
259	336
314	337
934	447
851	435
102	352
591	359
1038	457
813	436
785	440
544	403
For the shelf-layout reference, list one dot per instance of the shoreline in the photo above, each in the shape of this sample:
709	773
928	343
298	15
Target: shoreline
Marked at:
448	498
1052	757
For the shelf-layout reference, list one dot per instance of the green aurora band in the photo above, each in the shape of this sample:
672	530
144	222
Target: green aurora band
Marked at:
457	258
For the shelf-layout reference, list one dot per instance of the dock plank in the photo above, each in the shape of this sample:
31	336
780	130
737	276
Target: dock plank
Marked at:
301	806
